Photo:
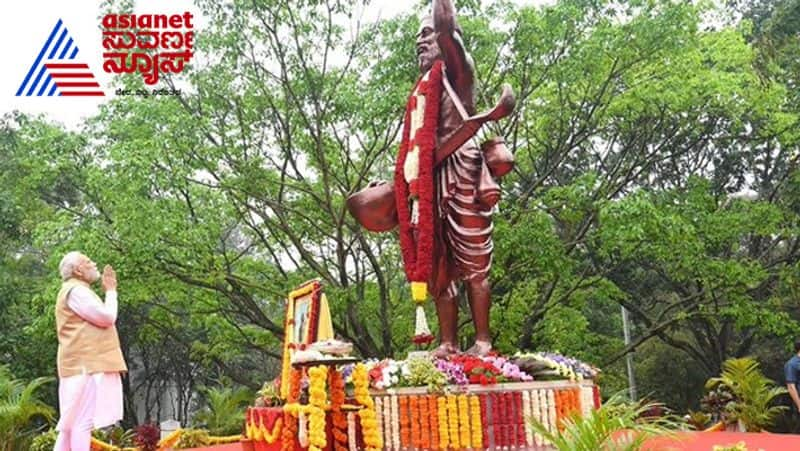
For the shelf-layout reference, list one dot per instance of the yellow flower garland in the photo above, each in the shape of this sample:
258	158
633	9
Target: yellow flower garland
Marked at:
369	422
452	421
267	435
463	421
441	413
477	426
165	443
318	399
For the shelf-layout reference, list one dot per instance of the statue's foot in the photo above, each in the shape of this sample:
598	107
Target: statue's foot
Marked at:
480	348
444	351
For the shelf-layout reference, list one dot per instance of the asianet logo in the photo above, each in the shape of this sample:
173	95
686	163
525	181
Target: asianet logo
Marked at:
57	71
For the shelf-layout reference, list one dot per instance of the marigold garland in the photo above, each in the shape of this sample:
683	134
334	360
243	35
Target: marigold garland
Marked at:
444	436
561	401
369	424
405	422
413	416
338	418
424	420
433	413
463	421
476	437
452	421
289	434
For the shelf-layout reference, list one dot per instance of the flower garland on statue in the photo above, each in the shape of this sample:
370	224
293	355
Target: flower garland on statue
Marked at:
413	181
369	424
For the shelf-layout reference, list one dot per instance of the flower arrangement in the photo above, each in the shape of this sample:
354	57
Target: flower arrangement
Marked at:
508	369
477	370
452	371
270	394
423	372
544	365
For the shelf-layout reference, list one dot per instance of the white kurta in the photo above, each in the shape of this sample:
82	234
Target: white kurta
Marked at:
88	401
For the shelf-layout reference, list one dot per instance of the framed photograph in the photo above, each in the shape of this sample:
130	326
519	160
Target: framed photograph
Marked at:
308	320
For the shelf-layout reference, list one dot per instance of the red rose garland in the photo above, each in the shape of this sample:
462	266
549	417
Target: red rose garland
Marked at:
485	421
508	431
520	420
497	421
418	256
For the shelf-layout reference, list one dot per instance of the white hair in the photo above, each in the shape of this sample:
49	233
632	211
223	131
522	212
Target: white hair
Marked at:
68	264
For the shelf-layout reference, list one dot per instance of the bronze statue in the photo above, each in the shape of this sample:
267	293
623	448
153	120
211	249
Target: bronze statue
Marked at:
464	189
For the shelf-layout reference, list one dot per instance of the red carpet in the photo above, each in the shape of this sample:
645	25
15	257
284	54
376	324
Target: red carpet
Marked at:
705	441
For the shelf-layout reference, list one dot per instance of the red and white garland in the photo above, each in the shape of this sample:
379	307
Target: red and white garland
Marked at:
414	188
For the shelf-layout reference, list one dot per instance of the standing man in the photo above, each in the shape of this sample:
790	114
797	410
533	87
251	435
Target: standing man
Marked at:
792	372
89	356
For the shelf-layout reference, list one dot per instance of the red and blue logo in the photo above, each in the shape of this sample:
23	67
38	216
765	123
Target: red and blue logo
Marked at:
56	72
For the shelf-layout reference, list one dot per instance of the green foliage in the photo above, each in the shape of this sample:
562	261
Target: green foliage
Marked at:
423	372
21	410
617	425
192	438
754	394
223	413
45	441
115	435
